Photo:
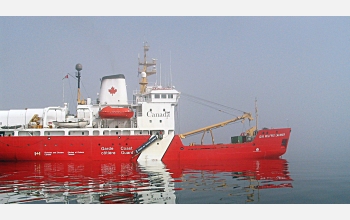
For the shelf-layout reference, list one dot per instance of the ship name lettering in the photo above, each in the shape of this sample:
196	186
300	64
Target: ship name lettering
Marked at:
158	115
271	135
125	148
107	148
107	153
126	152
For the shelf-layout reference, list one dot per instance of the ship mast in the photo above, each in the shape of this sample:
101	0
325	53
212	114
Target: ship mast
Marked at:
145	72
79	67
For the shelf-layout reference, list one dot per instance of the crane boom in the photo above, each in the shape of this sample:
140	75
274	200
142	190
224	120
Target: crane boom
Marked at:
221	124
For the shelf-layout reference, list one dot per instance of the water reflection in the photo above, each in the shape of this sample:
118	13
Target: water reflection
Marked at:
238	181
130	183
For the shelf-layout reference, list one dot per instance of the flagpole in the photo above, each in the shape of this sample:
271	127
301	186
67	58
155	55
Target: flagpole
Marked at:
66	76
63	91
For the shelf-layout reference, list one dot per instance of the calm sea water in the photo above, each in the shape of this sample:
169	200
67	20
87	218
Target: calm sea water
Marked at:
280	181
195	182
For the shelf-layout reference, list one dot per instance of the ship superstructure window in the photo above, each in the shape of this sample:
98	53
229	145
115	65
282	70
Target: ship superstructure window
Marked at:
160	121
163	96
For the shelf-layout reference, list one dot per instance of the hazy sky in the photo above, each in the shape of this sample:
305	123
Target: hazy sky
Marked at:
297	67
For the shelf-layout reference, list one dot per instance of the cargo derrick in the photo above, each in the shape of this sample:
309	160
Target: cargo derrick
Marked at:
218	125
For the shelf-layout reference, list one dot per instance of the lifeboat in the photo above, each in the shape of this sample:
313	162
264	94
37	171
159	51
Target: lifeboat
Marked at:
109	112
71	124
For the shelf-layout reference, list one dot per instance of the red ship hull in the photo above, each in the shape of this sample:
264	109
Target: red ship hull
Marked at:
248	150
271	143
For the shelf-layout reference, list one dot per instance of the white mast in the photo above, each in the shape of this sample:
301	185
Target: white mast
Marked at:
144	72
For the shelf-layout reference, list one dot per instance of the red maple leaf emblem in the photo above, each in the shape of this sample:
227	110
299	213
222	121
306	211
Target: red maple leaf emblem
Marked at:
112	90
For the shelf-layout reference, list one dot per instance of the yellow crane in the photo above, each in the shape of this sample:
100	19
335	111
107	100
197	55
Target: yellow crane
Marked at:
221	124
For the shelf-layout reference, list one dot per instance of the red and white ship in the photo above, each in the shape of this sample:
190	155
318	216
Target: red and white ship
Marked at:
114	130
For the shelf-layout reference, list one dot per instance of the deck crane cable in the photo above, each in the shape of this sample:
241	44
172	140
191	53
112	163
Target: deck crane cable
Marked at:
201	100
84	88
70	89
81	81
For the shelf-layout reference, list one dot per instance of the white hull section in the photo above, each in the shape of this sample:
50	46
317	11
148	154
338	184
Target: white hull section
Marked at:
157	149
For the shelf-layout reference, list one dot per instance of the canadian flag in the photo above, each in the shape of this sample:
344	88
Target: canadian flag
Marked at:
66	77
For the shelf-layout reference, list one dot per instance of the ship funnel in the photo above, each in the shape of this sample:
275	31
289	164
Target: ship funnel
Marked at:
113	90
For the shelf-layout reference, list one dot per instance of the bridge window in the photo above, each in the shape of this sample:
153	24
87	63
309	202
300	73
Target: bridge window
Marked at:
163	96
157	96
170	96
